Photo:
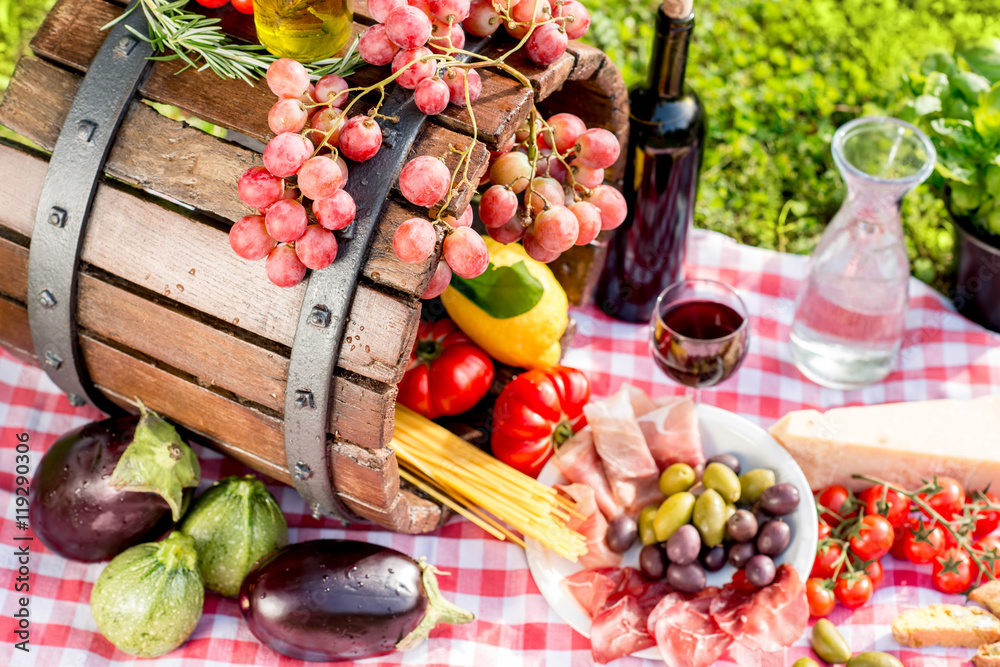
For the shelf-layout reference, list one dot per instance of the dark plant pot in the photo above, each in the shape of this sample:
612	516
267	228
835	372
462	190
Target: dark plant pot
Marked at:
977	280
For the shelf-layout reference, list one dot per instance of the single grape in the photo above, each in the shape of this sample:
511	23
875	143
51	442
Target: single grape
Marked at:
259	188
360	139
512	170
466	252
286	220
566	128
611	204
589	219
525	12
547	43
432	96
407	27
443	38
375	46
577	18
327	122
424	181
453	11
308	98
455	78
414	240
585	176
343	168
283	266
597	148
286	153
379	9
287	115
287	78
556	229
319	178
505	5
439	281
497	205
544	192
335	212
288	193
535	249
317	248
249	239
332	88
508	232
552	167
423	5
483	19
414	71
506	148
464	220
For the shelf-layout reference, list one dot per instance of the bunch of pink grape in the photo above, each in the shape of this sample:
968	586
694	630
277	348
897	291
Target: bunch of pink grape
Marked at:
547	187
303	163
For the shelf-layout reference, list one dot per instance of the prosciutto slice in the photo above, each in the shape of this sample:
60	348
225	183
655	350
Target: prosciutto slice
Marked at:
685	632
619	630
672	434
628	466
578	461
592	588
593	526
640	400
769	620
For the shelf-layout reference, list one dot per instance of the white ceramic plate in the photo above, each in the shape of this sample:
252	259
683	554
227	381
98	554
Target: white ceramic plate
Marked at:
721	432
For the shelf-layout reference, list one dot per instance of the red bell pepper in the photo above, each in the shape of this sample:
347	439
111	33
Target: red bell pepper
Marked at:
537	412
448	373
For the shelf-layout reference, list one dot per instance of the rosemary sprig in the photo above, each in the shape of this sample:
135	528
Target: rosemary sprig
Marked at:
176	33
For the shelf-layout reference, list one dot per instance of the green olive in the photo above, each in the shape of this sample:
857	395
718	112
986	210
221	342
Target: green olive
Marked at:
709	517
753	483
829	644
874	659
676	478
805	662
647	535
721	477
673	513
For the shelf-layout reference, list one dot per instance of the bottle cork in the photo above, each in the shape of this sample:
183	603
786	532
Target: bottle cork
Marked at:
678	9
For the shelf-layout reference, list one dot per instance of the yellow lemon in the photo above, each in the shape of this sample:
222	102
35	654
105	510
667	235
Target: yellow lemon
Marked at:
528	340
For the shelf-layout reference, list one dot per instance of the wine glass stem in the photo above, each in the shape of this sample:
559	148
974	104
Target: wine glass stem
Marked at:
694	393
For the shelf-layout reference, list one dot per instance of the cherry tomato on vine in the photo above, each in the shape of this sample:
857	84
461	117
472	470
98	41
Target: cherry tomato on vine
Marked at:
823	529
953	571
821	599
989	548
923	541
212	4
949	500
895	506
243	6
874	538
833	499
825	564
988	520
854	590
875	573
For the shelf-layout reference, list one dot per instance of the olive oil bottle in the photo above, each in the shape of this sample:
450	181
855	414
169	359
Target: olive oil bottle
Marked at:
306	30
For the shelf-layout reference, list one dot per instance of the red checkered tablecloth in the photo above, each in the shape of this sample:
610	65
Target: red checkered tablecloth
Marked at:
943	355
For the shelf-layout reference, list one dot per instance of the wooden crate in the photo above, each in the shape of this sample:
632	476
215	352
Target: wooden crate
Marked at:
167	311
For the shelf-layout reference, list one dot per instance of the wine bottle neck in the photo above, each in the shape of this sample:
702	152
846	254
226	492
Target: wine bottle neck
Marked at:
670	54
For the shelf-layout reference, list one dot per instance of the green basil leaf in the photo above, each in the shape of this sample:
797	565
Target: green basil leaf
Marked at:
926	104
502	292
987	116
969	85
955	165
961	132
938	62
938	85
983	56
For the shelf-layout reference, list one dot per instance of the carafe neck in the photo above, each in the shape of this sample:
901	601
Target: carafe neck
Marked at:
670	54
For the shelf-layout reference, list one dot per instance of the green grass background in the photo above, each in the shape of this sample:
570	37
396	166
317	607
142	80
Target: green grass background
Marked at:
777	77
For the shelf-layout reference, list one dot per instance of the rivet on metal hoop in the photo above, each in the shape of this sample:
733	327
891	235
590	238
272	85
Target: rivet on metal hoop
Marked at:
57	216
126	45
53	360
85	130
303	471
320	316
46	298
75	400
304	399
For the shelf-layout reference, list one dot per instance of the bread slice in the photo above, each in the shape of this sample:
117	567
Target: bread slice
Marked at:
988	655
988	595
905	442
946	625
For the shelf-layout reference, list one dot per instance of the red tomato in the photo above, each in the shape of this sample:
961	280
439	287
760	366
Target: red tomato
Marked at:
244	6
990	550
854	591
875	573
537	412
835	504
874	538
448	373
953	571
821	599
949	500
988	520
823	529
893	505
826	562
923	541
212	4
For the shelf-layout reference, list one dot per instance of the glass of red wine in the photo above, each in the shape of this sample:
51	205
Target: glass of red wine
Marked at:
699	333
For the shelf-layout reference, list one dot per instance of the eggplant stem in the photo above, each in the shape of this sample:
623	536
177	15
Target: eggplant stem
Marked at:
439	610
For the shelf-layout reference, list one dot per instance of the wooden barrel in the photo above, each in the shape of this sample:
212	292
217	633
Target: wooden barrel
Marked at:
169	314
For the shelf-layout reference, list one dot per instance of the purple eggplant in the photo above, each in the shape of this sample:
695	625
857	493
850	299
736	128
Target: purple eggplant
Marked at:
338	599
112	484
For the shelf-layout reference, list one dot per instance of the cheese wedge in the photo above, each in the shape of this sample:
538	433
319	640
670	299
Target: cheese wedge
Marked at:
899	442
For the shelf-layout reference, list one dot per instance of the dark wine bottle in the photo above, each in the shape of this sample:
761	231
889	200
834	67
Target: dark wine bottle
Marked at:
666	143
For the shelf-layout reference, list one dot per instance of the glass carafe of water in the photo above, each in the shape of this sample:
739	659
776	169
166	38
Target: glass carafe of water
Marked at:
851	308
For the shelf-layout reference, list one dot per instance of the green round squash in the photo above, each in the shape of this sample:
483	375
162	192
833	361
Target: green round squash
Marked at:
149	598
233	524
